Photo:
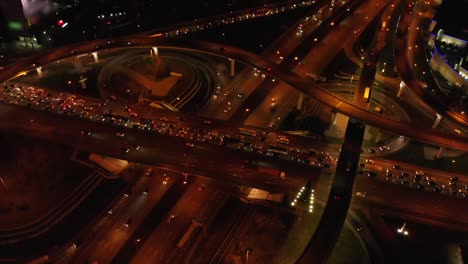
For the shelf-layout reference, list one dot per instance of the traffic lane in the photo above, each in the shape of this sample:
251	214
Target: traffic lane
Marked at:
244	82
158	149
428	181
234	101
411	169
330	43
108	247
105	245
162	242
265	87
433	207
98	229
261	115
281	43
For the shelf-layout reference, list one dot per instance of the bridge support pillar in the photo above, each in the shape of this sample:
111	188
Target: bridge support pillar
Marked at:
378	138
402	85
95	56
233	69
440	152
39	72
437	121
334	115
299	101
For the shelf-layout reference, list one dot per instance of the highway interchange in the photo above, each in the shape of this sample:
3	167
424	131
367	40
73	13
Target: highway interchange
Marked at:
173	152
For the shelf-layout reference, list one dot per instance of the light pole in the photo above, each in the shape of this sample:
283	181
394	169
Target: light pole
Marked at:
247	251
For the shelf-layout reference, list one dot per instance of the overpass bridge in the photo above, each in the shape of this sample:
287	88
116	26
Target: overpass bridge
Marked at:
416	132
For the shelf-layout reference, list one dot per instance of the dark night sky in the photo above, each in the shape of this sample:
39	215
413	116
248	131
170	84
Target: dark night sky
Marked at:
452	16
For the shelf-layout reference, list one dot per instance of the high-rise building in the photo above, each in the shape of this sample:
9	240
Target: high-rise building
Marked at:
12	21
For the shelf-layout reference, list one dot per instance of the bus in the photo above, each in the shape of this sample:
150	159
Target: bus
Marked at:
277	149
366	96
283	140
248	132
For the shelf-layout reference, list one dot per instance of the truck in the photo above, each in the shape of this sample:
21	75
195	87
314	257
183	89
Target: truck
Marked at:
366	96
40	260
271	171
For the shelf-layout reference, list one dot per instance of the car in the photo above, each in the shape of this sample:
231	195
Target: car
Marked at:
453	179
388	178
371	174
397	167
88	133
361	194
145	191
431	183
76	243
166	180
120	134
437	189
129	221
420	187
207	122
170	218
110	211
369	161
125	149
388	173
148	171
356	225
201	187
404	174
371	150
135	146
189	144
240	95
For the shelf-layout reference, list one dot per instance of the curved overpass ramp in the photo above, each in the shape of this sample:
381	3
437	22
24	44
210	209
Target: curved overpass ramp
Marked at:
404	70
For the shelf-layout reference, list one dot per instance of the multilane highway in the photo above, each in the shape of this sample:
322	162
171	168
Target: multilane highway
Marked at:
397	127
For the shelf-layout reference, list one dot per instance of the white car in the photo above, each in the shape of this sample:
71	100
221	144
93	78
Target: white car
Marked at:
361	194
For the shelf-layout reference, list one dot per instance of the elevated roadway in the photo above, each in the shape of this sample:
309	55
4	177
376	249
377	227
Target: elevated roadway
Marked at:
420	133
156	149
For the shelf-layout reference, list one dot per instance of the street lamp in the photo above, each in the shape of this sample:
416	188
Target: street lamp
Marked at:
247	251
